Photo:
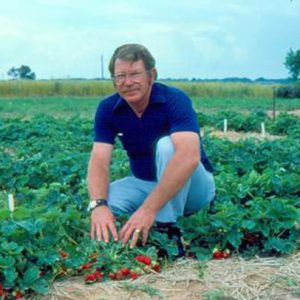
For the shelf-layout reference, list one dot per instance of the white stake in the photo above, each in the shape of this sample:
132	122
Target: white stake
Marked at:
263	130
11	202
225	125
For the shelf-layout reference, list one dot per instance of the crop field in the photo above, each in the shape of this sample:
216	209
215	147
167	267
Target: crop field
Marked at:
45	143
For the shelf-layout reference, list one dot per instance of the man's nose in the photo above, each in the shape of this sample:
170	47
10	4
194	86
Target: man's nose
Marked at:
128	79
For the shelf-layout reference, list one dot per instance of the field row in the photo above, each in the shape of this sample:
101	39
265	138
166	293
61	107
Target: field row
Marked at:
43	163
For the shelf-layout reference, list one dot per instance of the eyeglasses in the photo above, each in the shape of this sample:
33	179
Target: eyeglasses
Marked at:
135	76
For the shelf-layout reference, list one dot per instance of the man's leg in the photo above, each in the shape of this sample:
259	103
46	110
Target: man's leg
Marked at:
197	192
127	195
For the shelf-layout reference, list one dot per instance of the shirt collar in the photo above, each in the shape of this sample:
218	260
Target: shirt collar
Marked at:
156	96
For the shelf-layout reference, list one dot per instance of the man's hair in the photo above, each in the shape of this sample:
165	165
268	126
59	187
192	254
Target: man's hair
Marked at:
132	53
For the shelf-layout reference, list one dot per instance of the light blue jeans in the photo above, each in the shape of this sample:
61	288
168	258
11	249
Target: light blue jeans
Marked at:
128	194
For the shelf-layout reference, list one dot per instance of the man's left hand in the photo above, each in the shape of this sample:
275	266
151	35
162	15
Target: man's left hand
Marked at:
137	226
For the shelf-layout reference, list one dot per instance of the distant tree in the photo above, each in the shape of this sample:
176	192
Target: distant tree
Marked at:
24	72
292	63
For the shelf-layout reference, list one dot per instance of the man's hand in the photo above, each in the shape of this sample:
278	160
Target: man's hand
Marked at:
137	226
103	222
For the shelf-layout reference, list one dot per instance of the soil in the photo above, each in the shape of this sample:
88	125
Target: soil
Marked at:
236	136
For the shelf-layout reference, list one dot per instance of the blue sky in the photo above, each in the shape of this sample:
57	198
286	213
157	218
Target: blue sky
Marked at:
189	38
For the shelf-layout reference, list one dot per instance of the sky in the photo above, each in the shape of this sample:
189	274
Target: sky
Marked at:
189	39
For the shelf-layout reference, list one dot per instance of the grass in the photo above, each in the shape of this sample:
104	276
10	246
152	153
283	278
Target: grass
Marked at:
67	98
85	107
243	103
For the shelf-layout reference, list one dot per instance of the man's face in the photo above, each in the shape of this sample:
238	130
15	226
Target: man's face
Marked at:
132	81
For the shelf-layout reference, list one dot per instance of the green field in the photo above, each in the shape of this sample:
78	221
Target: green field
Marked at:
68	98
85	107
45	143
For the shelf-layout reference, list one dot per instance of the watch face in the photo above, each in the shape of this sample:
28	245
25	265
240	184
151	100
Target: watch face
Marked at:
95	203
92	204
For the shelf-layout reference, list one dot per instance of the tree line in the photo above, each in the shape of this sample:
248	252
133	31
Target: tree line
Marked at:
292	63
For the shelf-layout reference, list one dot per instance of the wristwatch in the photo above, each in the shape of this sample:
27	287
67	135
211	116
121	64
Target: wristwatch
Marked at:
96	203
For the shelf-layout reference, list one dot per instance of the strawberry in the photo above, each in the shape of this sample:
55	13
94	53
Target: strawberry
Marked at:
17	294
147	260
90	278
140	258
134	275
63	254
156	268
86	266
125	271
143	259
98	275
112	275
2	292
218	255
119	275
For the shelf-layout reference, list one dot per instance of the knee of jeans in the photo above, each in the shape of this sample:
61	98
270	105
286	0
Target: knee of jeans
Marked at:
165	146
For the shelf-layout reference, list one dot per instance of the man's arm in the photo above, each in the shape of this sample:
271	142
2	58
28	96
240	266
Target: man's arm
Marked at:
102	219
179	169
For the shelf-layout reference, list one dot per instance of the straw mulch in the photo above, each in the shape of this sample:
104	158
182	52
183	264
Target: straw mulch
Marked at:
234	278
237	136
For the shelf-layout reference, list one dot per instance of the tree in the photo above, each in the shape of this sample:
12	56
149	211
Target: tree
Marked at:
24	72
292	63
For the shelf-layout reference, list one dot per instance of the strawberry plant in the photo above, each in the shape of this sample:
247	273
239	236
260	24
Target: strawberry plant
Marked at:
255	211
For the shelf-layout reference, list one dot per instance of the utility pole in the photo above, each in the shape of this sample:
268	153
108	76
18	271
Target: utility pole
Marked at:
102	69
274	102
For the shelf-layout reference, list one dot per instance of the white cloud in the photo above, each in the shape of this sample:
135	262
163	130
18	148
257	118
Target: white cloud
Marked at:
195	38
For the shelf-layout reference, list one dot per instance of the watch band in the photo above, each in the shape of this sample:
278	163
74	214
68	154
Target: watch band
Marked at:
96	203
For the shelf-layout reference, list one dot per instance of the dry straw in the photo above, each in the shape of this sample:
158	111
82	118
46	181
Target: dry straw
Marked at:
235	278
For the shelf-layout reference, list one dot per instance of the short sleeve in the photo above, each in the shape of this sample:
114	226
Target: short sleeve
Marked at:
182	116
103	128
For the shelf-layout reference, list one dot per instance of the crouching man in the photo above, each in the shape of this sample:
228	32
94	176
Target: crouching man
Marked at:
171	175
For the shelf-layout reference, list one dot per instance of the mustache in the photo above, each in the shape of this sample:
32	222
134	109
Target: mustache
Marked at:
131	89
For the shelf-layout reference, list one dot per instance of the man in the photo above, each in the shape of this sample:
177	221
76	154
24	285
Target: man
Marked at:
171	175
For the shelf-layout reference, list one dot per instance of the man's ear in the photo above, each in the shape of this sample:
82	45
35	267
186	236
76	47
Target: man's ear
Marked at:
153	74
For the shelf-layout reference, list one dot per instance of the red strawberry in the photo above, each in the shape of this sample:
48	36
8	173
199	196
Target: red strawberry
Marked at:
86	266
143	259
156	268
63	254
17	294
98	275
147	260
140	258
125	271
112	275
134	275
119	275
218	255
90	278
2	293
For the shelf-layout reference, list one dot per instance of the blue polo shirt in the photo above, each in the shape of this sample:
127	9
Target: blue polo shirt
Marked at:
169	110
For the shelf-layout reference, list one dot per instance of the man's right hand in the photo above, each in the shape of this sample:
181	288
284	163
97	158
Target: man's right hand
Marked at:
103	222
